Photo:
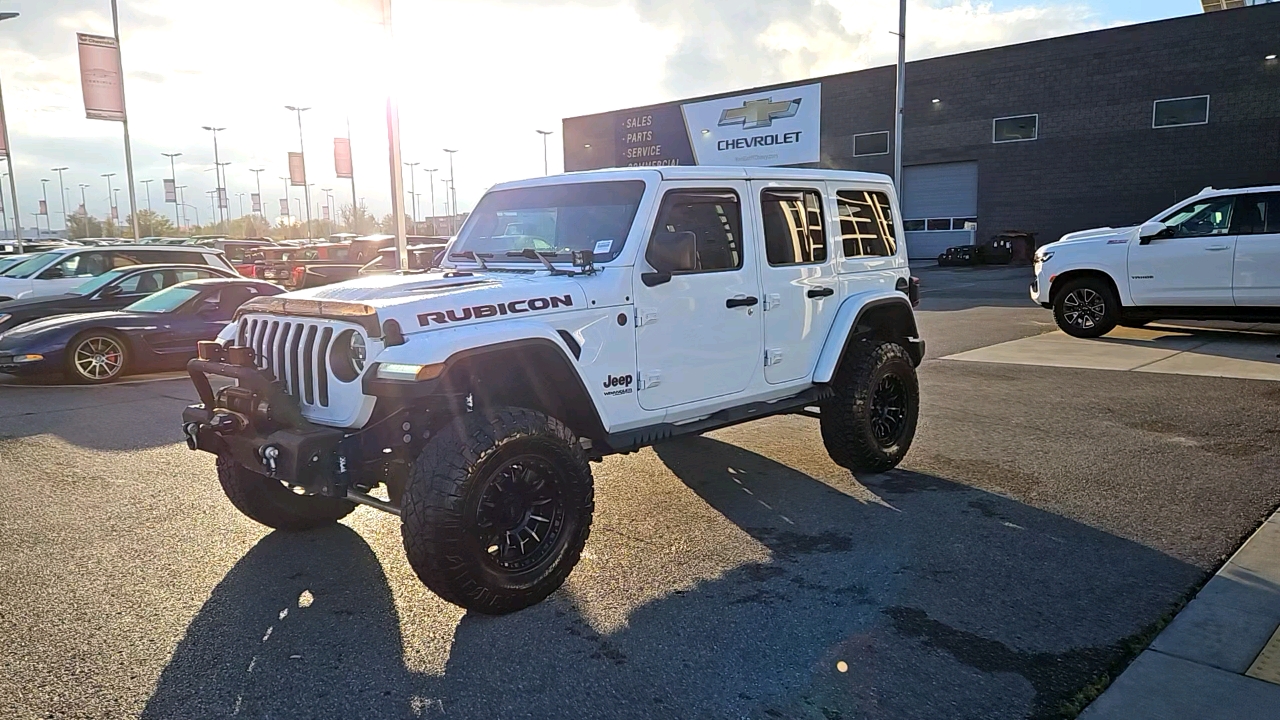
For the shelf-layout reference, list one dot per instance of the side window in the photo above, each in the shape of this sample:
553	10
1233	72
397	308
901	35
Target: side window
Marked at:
866	224
235	253
794	232
697	231
1211	216
120	259
143	283
1256	214
69	267
185	275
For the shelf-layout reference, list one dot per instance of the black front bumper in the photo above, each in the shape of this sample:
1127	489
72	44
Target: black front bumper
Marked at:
259	426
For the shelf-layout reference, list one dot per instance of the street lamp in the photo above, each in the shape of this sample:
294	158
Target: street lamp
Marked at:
173	175
110	200
182	202
257	176
241	196
44	193
413	190
303	152
287	201
84	203
431	182
544	134
4	215
453	195
147	183
217	176
328	201
66	224
8	156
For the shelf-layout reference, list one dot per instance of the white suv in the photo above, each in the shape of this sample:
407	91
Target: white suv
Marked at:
61	270
1213	256
577	316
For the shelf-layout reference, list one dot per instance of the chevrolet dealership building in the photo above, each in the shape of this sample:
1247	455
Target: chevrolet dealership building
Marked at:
1101	128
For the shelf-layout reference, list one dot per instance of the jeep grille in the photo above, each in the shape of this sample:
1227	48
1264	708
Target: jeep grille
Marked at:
295	353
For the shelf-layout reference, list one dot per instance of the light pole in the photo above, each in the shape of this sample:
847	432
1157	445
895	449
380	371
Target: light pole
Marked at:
901	97
173	175
115	202
241	196
303	152
328	200
66	223
445	182
193	207
44	193
8	156
4	214
110	196
287	201
413	189
147	184
257	177
431	182
217	175
544	134
453	195
182	202
84	202
224	200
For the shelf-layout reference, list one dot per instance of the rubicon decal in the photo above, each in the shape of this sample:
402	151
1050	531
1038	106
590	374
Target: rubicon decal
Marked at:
477	312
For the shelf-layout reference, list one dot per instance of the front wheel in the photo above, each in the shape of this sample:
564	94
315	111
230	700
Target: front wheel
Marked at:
1086	308
497	510
870	423
96	357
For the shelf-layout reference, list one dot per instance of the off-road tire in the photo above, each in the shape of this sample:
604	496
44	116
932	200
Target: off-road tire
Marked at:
1086	308
448	509
269	502
851	420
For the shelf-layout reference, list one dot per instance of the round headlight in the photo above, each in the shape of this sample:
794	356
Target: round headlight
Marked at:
347	355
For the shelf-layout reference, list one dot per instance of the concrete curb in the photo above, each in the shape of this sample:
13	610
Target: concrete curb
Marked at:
1196	667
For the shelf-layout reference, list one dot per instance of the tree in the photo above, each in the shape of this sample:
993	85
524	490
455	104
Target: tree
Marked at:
364	222
151	224
84	226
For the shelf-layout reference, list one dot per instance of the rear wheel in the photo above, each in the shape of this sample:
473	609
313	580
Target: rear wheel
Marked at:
1086	308
269	502
497	510
97	357
870	423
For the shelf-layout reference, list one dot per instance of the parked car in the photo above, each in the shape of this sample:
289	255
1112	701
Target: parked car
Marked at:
155	333
109	291
421	257
1213	256
238	252
8	261
306	266
64	269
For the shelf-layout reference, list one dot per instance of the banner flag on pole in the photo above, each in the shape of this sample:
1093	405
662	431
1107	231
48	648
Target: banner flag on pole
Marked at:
82	211
342	157
297	176
44	209
222	198
115	214
170	192
326	212
256	199
284	206
100	77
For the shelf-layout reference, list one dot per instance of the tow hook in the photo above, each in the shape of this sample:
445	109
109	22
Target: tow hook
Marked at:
192	431
269	454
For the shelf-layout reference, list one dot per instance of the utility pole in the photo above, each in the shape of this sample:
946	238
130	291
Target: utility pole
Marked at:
302	150
545	167
173	175
453	196
901	97
66	222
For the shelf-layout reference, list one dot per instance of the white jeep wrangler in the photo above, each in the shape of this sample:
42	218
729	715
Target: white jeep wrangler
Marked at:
576	316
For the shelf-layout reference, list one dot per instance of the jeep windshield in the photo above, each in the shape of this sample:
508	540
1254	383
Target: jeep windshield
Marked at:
553	220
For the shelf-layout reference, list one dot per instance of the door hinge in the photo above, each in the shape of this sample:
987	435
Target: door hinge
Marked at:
646	316
772	356
649	380
771	301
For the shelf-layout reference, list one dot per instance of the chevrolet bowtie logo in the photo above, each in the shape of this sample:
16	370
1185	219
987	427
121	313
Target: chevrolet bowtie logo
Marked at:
759	113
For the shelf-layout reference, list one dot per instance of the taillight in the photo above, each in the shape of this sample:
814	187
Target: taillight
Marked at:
298	274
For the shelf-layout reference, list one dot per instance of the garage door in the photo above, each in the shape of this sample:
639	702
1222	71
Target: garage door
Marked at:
937	201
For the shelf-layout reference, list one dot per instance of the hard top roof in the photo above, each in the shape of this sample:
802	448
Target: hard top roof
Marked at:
702	172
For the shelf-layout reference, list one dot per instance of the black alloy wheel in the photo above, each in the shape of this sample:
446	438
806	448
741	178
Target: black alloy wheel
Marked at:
520	517
1085	308
889	411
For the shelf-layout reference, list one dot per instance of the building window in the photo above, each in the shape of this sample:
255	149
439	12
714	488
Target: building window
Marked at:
1175	112
1014	129
876	143
913	225
794	233
866	223
938	224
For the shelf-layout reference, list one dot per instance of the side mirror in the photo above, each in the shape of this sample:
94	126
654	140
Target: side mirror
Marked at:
110	291
1148	231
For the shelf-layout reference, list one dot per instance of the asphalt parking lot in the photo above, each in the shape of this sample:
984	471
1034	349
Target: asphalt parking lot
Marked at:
1044	520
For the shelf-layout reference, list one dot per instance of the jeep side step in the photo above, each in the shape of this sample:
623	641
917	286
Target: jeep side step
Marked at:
641	437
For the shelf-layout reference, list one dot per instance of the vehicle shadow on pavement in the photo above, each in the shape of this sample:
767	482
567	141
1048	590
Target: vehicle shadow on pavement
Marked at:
304	626
938	600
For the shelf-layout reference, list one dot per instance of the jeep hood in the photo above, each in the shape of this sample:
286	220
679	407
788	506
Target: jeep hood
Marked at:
447	298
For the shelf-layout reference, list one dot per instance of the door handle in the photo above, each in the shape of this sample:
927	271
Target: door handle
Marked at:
820	292
1218	247
741	302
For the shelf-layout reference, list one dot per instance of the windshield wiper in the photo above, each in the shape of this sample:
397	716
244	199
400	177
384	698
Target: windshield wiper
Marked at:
532	254
477	258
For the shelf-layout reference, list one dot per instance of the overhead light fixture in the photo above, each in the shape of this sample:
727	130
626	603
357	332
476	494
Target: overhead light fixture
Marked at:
1272	56
936	101
588	145
706	131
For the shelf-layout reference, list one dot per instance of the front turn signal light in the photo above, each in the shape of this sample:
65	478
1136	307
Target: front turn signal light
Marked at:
406	371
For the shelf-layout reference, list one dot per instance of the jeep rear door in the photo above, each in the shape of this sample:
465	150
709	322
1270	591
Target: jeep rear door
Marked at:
1256	225
698	332
797	276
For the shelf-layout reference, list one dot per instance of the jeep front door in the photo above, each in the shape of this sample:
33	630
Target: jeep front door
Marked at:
697	304
1191	263
797	277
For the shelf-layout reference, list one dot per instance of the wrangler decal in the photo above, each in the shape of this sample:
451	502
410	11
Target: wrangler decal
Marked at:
487	311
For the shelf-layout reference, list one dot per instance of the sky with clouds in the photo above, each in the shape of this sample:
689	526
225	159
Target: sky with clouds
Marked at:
480	76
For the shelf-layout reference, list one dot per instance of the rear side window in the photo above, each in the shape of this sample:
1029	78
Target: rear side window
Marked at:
866	223
793	227
713	217
144	283
1257	214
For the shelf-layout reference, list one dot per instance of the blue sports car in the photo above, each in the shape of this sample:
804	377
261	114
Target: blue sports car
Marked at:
158	332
